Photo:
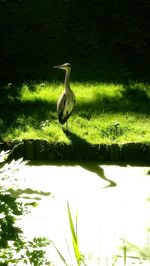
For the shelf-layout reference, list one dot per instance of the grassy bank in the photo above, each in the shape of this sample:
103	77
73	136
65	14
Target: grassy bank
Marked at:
104	113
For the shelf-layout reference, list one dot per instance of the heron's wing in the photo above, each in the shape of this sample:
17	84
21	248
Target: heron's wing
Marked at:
61	103
65	108
61	107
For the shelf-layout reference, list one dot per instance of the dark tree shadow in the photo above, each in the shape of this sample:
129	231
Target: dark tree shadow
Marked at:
91	166
133	92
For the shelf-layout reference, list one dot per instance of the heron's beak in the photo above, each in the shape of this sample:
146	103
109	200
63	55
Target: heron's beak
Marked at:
59	67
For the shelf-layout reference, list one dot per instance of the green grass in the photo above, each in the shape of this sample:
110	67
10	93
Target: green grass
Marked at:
126	252
104	113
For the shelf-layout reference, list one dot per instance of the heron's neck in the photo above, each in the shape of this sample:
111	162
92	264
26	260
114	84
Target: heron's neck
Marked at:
67	77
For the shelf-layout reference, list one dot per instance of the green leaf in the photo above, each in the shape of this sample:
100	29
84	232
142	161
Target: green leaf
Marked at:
73	229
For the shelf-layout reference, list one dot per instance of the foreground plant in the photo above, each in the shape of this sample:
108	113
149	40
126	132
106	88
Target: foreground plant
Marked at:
123	258
79	257
14	248
74	233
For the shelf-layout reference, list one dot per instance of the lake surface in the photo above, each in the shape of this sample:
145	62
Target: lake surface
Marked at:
113	206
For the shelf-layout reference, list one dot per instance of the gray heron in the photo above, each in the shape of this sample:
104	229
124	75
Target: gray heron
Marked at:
66	102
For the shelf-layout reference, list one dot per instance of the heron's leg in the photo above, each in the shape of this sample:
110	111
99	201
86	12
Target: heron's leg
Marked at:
67	125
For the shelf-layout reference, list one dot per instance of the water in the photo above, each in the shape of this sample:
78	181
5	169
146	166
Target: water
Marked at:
113	205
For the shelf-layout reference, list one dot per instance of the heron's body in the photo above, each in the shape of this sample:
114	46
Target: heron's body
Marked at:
66	101
65	106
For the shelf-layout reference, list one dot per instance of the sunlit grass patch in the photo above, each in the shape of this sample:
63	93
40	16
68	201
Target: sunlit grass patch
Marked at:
46	130
104	113
40	92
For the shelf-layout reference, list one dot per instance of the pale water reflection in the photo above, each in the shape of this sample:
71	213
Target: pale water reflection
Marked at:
112	205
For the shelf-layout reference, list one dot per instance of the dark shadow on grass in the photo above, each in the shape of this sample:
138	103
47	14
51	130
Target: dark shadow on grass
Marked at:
15	114
136	92
91	166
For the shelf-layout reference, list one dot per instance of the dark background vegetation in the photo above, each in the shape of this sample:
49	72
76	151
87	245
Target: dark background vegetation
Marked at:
104	40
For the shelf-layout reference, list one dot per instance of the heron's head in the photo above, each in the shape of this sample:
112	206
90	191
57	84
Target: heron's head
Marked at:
65	66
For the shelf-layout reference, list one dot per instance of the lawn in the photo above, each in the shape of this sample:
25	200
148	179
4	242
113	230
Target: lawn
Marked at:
104	112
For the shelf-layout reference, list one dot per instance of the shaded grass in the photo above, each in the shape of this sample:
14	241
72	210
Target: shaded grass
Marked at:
104	113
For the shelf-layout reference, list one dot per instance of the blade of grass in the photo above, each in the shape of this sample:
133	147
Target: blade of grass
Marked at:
71	224
68	250
115	260
73	229
124	253
77	225
60	255
130	244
